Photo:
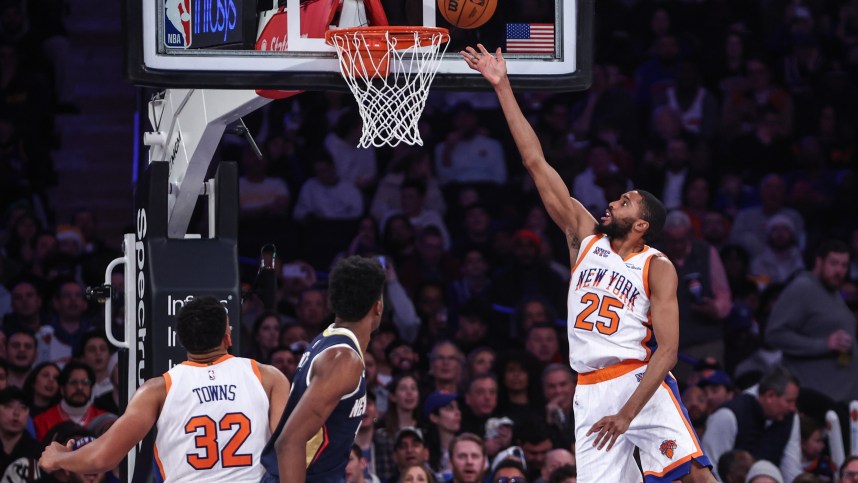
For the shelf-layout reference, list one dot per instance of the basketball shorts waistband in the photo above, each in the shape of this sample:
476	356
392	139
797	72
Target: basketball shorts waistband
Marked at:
610	372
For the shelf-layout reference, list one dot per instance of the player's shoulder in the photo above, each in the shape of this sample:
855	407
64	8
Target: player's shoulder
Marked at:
661	268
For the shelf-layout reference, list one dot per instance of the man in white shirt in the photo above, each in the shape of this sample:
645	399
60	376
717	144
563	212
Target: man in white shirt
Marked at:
326	196
468	156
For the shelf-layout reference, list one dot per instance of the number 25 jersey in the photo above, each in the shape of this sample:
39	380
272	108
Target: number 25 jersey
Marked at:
214	423
609	306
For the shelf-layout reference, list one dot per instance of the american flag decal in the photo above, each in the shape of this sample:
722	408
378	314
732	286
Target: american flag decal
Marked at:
530	38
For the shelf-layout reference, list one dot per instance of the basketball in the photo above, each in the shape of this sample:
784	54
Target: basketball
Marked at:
467	14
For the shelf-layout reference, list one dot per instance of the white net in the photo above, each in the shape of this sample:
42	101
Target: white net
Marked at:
389	74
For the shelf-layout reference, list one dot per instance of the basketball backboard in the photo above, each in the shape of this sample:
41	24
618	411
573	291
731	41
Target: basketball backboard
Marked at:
229	44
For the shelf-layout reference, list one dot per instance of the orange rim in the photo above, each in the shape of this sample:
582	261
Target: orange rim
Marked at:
404	35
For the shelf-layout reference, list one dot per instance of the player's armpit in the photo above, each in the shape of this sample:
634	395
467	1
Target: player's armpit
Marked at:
277	387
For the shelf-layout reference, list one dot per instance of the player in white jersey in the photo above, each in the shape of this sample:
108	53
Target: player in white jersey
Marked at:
622	299
214	413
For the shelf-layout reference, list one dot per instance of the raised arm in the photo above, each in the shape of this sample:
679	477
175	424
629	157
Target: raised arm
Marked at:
106	452
569	214
335	373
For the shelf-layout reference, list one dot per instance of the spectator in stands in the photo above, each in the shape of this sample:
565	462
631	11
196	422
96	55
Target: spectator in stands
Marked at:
326	196
402	412
467	155
409	449
430	262
401	357
412	196
441	409
94	350
474	282
415	165
781	258
558	389
543	343
703	292
764	472
498	435
265	336
668	179
357	466
510	469
718	388
762	422
589	186
285	360
815	329
45	248
749	227
532	311
813	460
468	454
554	459
20	452
476	231
519	390
417	474
312	310
480	359
76	380
733	466
4	373
109	401
527	275
849	470
399	239
481	401
69	323
356	165
473	326
696	404
534	441
21	351
27	310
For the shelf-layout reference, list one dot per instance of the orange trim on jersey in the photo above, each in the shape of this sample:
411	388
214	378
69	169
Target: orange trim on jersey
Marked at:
648	326
610	372
217	361
645	275
673	465
583	253
682	416
634	254
160	465
255	367
168	381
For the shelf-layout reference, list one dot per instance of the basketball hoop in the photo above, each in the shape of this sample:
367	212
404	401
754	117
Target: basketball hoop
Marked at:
389	71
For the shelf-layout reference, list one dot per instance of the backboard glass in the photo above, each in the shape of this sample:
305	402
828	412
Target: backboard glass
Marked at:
229	44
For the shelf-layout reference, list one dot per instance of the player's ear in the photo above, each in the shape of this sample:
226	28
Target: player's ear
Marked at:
642	226
227	338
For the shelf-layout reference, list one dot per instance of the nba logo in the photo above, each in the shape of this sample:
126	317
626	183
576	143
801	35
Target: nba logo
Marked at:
211	375
177	28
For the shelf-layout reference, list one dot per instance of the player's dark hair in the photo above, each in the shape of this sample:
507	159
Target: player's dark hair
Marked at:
776	379
72	366
355	284
654	213
828	247
201	324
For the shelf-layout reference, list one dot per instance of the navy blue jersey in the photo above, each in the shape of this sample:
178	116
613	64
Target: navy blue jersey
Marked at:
328	450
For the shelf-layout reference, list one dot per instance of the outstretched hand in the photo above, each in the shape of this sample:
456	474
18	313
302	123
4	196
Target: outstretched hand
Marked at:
492	67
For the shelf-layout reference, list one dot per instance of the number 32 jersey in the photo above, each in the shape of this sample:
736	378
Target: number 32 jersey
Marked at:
214	423
609	306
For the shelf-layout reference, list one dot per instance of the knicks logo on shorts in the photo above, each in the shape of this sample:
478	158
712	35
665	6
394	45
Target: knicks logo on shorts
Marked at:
667	447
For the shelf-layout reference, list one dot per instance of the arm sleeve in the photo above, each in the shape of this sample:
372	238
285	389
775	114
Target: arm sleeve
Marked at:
720	286
720	435
788	316
791	460
404	314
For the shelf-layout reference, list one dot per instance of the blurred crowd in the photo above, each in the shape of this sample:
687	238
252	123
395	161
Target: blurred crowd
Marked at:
738	114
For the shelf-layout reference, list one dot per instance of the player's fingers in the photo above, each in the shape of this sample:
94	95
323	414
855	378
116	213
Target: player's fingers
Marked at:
594	427
483	49
614	437
70	444
499	53
471	51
